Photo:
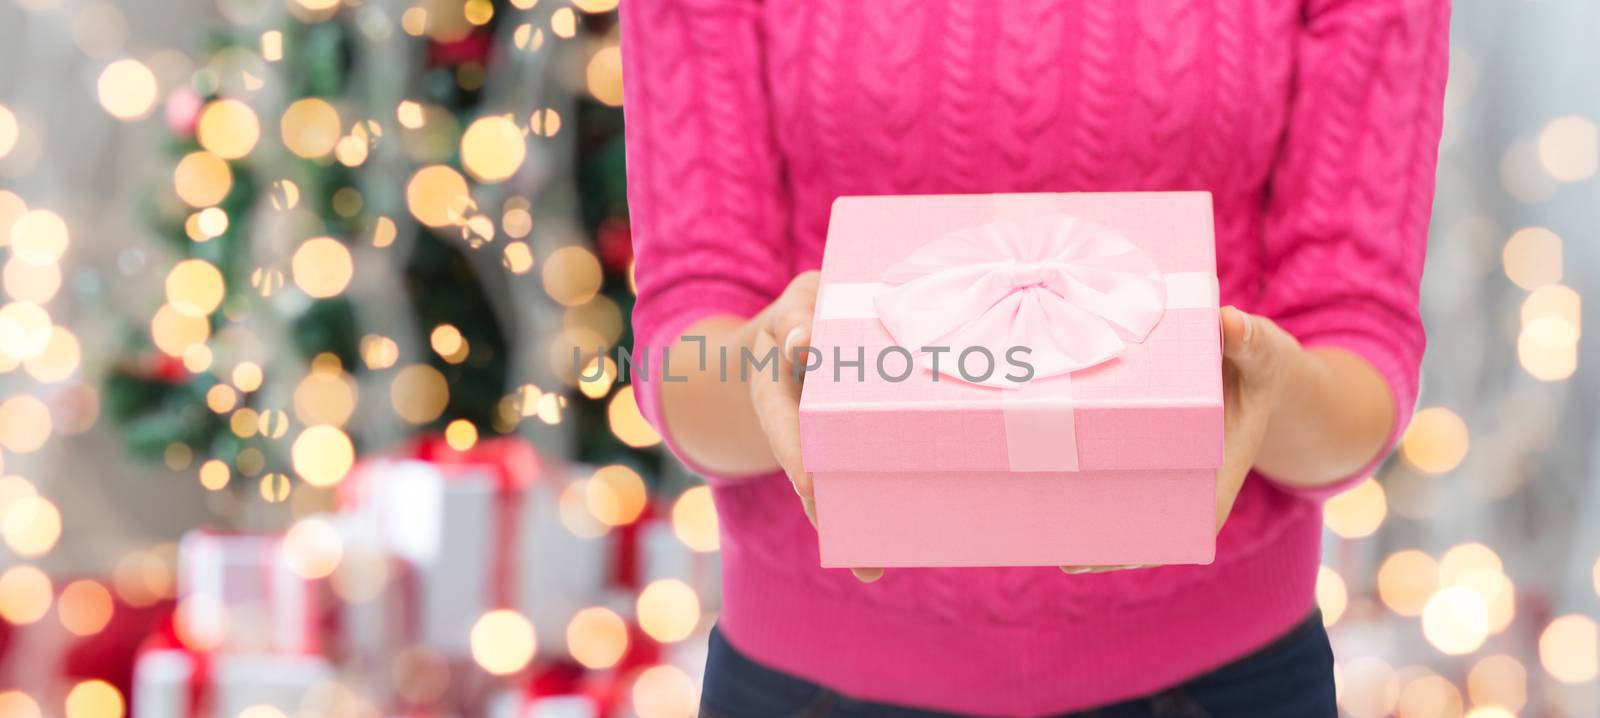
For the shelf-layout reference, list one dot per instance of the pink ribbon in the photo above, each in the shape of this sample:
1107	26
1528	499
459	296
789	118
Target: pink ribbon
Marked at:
1072	292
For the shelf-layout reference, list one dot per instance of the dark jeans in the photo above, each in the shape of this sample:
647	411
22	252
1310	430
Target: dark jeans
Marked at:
1290	678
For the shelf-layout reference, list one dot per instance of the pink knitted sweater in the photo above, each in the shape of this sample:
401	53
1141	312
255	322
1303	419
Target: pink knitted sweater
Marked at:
1315	125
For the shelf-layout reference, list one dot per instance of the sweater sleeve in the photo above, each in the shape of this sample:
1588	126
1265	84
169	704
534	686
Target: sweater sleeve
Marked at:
1349	199
708	214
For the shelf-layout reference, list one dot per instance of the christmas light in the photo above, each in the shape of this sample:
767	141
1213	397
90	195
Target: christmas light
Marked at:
615	495
174	332
8	131
627	423
58	360
1569	649
24	424
322	455
1406	580
312	548
1358	512
597	637
25	594
664	692
1332	596
668	610
228	129
1436	441
309	127
1532	257
84	608
437	196
195	287
31	526
202	179
1428	695
1569	148
127	90
694	520
572	275
1455	620
1498	680
419	393
16	704
39	236
604	75
502	642
322	267
95	699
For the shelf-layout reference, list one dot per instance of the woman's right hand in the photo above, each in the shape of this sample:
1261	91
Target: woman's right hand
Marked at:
785	325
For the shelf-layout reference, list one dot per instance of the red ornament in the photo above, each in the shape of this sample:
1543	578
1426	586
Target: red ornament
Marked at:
474	47
614	242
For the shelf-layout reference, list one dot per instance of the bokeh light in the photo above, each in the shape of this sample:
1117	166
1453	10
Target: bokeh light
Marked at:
1455	620
668	610
694	520
437	196
38	236
323	455
95	699
25	594
492	149
419	393
309	127
312	548
322	267
502	642
1569	649
31	526
1436	441
597	637
663	691
228	128
127	89
1357	512
202	179
85	607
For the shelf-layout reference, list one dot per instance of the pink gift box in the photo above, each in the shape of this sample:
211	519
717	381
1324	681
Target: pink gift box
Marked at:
1114	463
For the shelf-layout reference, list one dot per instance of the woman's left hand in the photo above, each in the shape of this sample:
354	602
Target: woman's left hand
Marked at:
1258	356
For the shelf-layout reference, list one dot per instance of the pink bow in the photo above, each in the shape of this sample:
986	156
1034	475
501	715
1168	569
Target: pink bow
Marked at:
1070	291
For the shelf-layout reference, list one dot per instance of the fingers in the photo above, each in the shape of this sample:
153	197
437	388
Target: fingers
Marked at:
777	407
1238	333
867	575
1078	570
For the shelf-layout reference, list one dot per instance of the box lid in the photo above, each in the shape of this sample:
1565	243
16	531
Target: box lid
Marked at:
1156	405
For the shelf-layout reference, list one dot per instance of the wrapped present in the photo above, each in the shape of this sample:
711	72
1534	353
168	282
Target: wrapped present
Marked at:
178	682
173	677
1015	380
649	550
562	690
236	592
479	530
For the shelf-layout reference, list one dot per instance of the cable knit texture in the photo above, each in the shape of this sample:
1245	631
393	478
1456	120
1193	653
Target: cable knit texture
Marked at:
1315	126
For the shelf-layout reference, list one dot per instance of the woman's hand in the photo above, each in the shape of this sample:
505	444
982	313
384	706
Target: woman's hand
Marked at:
1257	358
786	326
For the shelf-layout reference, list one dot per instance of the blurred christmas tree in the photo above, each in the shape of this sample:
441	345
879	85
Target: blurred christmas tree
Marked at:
352	214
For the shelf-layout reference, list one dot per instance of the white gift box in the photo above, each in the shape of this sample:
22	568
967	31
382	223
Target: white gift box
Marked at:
662	555
237	593
164	683
465	538
516	704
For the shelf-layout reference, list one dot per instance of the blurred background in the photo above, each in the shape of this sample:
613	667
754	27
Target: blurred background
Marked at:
258	252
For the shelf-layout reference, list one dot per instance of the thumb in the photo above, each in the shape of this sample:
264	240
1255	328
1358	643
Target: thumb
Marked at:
1242	338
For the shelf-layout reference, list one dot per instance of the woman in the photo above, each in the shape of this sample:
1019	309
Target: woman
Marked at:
1315	125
